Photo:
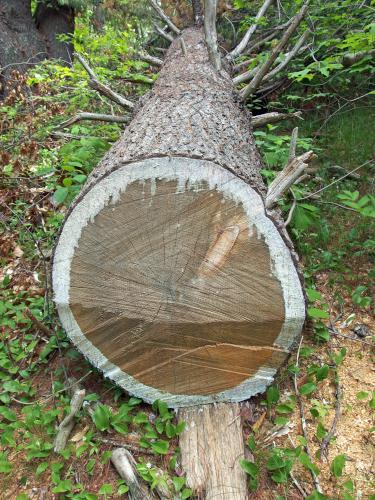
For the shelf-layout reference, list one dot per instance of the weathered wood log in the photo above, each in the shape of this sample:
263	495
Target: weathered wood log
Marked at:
211	447
169	274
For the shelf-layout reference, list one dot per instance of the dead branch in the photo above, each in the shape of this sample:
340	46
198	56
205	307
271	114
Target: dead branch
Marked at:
245	40
124	463
293	145
291	211
303	422
160	12
103	89
273	117
341	170
330	434
56	134
248	75
266	66
163	34
66	426
297	49
94	117
210	32
151	59
352	58
287	177
39	325
245	76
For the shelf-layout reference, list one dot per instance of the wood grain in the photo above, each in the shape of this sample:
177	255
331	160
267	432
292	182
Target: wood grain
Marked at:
211	448
174	292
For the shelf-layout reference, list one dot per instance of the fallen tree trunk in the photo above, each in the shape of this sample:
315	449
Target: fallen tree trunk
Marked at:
169	275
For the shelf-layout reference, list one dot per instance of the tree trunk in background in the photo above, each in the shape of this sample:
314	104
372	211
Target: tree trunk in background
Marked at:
20	41
53	20
25	40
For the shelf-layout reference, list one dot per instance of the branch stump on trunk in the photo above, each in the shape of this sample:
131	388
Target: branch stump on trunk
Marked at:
169	276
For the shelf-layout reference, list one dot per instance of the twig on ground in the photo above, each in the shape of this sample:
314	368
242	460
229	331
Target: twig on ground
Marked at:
124	463
155	61
40	326
330	434
66	426
303	421
183	46
310	195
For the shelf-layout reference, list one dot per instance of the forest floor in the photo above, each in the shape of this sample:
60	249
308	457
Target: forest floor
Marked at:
36	360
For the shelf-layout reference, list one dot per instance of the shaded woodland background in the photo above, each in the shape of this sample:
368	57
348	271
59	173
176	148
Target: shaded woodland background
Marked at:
44	163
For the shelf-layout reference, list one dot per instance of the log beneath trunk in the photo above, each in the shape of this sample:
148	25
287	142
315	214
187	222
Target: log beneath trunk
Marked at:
211	448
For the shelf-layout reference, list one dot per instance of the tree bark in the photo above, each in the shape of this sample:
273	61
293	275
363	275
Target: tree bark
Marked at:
26	40
53	20
20	42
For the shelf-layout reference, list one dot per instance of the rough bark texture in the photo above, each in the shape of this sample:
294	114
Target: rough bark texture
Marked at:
53	20
191	111
20	41
25	40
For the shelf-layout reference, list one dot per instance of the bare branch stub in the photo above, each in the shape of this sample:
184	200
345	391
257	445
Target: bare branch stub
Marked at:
287	177
163	34
273	117
155	61
125	465
210	32
254	85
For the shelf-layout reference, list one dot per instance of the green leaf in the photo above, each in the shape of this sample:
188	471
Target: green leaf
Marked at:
362	395
337	465
101	417
8	414
186	493
41	468
106	489
316	313
250	468
322	373
60	195
272	395
63	486
178	483
307	388
160	447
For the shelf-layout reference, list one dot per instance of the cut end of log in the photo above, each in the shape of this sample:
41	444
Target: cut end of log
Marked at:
171	279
